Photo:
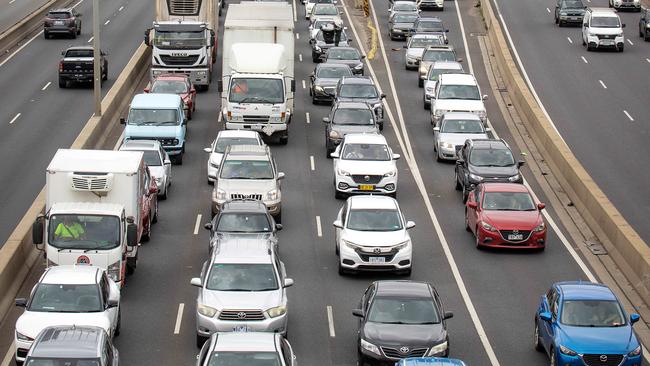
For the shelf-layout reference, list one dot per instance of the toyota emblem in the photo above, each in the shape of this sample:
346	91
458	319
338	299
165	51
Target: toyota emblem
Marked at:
367	178
404	350
603	358
241	315
376	250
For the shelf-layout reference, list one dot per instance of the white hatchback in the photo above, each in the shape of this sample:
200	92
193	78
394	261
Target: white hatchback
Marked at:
372	235
224	139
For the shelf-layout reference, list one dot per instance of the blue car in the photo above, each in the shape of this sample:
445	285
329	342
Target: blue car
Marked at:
429	361
583	323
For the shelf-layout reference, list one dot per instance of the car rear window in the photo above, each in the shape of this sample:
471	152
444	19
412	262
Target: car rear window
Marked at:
79	53
59	15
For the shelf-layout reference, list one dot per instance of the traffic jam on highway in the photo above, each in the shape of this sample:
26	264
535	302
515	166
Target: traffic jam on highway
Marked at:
102	205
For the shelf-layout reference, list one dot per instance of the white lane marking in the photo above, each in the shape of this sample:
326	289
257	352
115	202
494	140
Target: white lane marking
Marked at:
648	59
603	84
330	321
197	224
624	111
106	22
297	36
570	41
121	8
12	1
548	10
15	118
319	228
295	16
179	318
91	39
311	162
630	42
46	85
300	57
307	117
584	59
10	355
219	117
304	86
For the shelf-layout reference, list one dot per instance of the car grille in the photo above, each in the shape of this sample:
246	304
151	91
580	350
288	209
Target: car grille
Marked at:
397	352
241	315
256	119
606	36
574	14
179	60
371	179
602	360
241	196
525	234
365	255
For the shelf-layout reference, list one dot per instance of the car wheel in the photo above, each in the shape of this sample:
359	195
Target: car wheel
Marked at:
278	218
119	323
438	157
406	272
420	82
155	213
478	242
131	265
62	83
621	49
336	249
536	340
560	23
164	195
427	106
18	363
200	340
339	195
179	159
342	270
553	358
46	35
74	35
458	186
465	193
313	100
467	228
147	236
556	20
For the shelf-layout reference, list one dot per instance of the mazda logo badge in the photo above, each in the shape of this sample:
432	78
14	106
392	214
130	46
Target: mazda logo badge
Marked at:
376	250
241	315
404	350
603	358
367	178
515	231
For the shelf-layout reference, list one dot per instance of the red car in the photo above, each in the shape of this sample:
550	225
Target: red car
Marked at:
505	215
175	84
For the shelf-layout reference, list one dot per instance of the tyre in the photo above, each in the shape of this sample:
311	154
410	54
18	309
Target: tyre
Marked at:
467	228
465	193
557	20
560	23
62	83
438	158
339	195
406	272
200	340
155	214
458	186
337	250
278	218
178	159
284	138
342	272
537	344
553	358
79	30
74	35
381	126
620	49
131	265
146	237
164	195
46	35
420	82
119	323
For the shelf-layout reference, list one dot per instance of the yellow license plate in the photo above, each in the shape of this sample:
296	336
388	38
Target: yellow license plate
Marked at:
366	187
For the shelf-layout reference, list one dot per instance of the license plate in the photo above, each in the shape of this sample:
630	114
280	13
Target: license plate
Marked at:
608	41
377	260
58	22
516	237
240	328
366	187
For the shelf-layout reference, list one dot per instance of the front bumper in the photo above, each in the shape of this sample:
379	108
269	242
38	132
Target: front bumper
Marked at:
22	347
571	19
579	360
207	326
266	128
448	153
174	150
347	184
498	239
79	77
198	76
596	42
357	260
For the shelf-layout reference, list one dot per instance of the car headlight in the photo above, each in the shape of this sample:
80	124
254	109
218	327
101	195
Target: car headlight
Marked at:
358	67
277	311
342	172
390	174
568	351
335	135
351	245
635	352
402	245
563	13
23	337
206	310
319	88
429	89
272	194
619	35
113	271
370	347
446	145
487	226
540	227
438	349
219	194
514	178
475	177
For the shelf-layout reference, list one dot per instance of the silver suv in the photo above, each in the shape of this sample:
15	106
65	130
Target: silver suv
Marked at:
73	345
248	172
242	288
253	348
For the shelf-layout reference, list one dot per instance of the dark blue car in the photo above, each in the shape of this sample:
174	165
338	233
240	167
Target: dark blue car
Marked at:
429	361
583	323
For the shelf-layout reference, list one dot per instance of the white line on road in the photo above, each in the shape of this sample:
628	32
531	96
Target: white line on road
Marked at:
630	42
330	321
197	224
121	8
15	118
297	36
219	117
46	85
10	355
603	84
548	10
584	59
295	17
311	162
307	117
91	39
648	59
570	41
179	318
304	86
624	111
300	57
319	229
106	22
12	1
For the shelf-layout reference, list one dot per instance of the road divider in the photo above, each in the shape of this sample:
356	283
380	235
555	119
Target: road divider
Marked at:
625	246
18	255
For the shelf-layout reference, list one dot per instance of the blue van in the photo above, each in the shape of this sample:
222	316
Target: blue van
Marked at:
429	361
159	117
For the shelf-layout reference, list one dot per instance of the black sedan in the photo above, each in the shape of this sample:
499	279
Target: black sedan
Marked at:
323	80
347	56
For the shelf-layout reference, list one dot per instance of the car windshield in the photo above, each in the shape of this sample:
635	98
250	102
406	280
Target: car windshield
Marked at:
435	73
464	92
409	6
253	90
508	201
44	361
439	55
242	277
246	169
374	220
403	311
374	152
224	142
421	42
430	25
357	91
243	222
66	298
169	87
342	54
573	4
59	15
605	22
79	53
592	313
461	126
325	9
244	358
84	232
491	157
349	116
319	37
333	72
153	117
405	18
152	158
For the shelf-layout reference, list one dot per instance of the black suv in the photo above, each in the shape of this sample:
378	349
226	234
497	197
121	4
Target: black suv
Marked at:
400	319
245	219
644	24
62	21
485	160
361	89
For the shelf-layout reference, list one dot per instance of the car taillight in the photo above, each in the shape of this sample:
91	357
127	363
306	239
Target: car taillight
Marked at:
60	66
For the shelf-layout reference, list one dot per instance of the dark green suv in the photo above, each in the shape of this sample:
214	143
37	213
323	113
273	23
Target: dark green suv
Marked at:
569	12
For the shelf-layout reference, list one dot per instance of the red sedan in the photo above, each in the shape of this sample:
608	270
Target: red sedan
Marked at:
175	84
504	215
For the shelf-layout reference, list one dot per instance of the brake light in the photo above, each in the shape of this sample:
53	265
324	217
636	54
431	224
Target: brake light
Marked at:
60	66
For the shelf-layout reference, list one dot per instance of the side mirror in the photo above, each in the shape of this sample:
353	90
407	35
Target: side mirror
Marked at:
208	226
363	56
196	282
338	224
147	41
485	97
521	163
278	227
358	313
280	175
633	317
132	235
396	156
293	85
446	30
383	96
460	162
488	129
220	86
460	59
288	282
410	225
37	230
207	149
545	316
436	129
192	89
448	315
326	120
122	121
472	205
335	155
541	206
62	53
22	302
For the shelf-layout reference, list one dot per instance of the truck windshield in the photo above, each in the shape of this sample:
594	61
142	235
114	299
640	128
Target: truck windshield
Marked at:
62	362
179	40
153	117
84	232
252	90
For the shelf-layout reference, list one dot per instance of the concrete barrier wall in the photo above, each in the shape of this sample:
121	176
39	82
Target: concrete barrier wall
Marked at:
18	255
628	250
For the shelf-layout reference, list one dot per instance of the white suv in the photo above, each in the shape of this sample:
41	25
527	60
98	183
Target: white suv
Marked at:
224	139
457	93
602	28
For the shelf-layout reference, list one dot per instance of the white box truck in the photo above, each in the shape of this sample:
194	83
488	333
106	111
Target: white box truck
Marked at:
97	207
183	39
257	71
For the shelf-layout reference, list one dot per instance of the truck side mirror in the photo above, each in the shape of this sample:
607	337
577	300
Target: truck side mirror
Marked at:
220	86
293	85
211	42
37	230
132	235
147	41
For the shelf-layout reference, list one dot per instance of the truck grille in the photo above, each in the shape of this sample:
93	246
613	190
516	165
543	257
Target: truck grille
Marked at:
241	315
241	196
371	179
399	352
256	119
184	7
606	36
179	60
602	360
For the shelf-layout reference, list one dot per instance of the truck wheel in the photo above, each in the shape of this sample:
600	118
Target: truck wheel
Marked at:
146	237
46	35
284	138
62	83
131	264
179	159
